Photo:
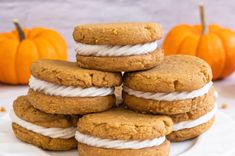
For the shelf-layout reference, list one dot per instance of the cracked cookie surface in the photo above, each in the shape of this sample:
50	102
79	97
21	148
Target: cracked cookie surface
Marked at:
117	33
123	124
24	110
69	74
175	73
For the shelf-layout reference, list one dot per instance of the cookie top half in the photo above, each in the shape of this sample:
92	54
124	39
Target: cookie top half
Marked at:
25	111
122	124
117	33
69	74
176	73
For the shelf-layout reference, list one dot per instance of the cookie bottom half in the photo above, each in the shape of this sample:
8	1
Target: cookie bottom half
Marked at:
43	142
122	63
162	150
70	105
190	133
167	107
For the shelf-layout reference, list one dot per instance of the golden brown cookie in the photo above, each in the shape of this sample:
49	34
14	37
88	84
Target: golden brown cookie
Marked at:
117	122
117	33
51	132
118	46
70	105
60	87
168	107
128	63
178	85
123	131
69	74
190	133
43	141
175	73
27	112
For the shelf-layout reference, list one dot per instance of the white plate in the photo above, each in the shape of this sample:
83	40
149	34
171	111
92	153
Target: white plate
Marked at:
218	141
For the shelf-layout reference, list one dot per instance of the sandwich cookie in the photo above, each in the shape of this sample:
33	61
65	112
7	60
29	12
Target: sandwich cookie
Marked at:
51	132
178	85
123	132
118	46
60	87
192	124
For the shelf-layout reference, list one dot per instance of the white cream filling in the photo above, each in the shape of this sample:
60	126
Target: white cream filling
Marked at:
67	91
173	96
62	133
193	123
117	144
116	50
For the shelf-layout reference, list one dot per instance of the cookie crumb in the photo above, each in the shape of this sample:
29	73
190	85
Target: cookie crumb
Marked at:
115	31
2	109
224	106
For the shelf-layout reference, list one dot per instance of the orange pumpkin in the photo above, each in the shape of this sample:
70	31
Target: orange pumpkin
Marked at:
19	48
213	43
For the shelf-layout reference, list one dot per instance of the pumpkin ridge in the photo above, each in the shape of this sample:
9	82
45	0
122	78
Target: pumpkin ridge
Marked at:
224	50
38	34
197	49
39	54
182	41
53	45
15	62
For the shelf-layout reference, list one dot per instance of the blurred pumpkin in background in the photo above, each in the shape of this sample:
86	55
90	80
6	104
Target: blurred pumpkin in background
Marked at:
19	48
213	43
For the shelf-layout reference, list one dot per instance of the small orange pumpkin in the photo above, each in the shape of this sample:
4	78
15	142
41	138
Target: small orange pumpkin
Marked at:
19	48
214	44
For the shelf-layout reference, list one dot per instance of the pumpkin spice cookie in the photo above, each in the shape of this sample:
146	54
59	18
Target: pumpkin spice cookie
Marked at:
123	132
51	132
118	46
179	85
60	87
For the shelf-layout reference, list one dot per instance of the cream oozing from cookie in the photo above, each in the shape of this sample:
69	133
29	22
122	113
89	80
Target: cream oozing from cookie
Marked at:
173	96
115	50
117	144
67	91
62	133
193	123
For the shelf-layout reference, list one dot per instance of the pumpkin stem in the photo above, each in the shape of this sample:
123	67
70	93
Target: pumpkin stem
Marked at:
19	30
203	20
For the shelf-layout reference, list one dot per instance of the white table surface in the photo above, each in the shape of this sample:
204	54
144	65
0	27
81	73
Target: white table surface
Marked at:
225	88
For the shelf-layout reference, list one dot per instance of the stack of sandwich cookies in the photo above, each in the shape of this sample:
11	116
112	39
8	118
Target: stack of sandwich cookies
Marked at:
60	87
51	132
118	46
123	132
179	87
